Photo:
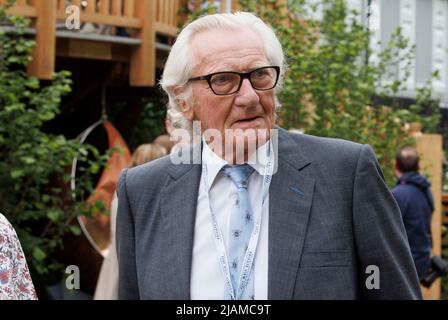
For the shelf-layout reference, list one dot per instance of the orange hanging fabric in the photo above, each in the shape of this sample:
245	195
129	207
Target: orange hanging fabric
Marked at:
97	228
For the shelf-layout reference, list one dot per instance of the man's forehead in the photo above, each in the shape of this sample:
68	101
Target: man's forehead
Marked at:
221	48
207	40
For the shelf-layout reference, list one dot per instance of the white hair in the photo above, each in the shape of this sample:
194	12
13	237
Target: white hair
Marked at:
179	65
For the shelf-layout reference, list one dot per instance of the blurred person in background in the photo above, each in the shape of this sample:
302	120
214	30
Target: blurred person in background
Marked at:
164	141
414	197
107	285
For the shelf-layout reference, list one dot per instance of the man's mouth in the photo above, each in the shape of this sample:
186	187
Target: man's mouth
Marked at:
247	120
248	123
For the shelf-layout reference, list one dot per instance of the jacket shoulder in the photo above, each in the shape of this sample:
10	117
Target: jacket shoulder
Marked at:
322	147
153	168
154	172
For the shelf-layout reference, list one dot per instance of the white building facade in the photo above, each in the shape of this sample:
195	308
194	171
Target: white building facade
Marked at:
425	23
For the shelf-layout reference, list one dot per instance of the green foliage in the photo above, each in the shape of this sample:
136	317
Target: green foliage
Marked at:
35	166
335	85
191	11
150	121
149	125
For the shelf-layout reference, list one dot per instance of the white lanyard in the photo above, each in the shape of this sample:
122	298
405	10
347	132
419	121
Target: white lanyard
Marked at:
251	249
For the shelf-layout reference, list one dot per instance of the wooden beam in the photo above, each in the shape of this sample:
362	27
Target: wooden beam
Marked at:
169	13
91	6
76	3
158	6
429	147
73	48
116	7
166	11
104	7
143	59
129	8
176	12
90	50
43	56
26	11
62	5
166	29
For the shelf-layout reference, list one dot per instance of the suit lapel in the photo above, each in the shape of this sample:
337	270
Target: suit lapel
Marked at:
179	201
290	199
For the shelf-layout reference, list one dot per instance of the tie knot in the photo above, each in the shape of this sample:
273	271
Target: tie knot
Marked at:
238	174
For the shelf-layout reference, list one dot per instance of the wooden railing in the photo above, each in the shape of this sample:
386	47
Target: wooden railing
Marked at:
429	147
147	17
22	8
120	13
116	12
166	16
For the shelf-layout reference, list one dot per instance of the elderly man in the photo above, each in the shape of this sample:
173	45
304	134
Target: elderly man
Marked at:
305	218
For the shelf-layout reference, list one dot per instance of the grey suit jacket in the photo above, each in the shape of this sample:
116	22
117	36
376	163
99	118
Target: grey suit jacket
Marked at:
330	217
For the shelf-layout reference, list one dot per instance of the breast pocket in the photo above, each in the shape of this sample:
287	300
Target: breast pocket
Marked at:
325	259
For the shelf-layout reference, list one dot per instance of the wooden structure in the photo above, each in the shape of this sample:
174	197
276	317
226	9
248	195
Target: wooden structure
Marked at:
221	5
146	20
430	149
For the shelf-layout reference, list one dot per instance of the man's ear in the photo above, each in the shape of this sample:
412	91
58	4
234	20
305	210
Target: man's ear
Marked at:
186	106
187	109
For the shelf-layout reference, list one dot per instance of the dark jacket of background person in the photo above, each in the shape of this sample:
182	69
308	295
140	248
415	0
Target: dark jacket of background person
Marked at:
415	200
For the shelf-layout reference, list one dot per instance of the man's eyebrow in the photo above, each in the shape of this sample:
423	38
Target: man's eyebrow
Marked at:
233	68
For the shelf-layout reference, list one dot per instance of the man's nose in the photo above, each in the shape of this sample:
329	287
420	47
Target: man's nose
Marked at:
247	95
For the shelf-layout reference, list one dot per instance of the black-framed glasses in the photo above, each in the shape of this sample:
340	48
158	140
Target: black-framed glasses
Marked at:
228	82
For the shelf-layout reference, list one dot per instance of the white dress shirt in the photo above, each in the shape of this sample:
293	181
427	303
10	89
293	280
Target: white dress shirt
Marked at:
207	280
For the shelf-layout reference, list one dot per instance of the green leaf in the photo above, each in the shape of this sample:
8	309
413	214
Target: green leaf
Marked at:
54	215
38	254
39	205
32	83
47	115
28	160
17	173
94	168
75	230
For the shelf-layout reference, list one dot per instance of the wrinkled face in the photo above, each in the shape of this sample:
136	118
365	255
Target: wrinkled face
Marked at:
229	50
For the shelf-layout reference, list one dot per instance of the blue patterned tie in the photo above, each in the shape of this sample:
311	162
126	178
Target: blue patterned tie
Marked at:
240	228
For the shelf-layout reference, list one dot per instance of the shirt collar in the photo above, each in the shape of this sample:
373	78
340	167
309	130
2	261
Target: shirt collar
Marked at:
258	160
213	162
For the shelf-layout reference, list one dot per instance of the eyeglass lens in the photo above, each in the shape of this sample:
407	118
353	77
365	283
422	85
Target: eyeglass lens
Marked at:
229	82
